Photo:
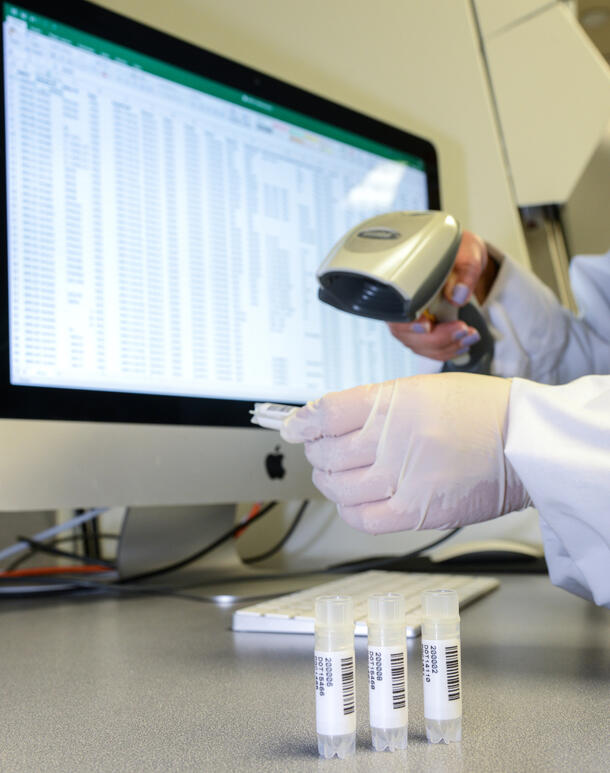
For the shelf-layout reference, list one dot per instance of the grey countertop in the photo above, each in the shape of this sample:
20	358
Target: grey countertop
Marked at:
158	683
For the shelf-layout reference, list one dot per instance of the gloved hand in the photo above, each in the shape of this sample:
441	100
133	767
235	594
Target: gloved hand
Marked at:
425	452
472	272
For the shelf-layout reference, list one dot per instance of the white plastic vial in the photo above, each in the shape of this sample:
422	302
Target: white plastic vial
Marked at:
387	652
441	665
271	415
334	660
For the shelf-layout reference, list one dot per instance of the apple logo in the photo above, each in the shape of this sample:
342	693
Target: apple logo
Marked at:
273	464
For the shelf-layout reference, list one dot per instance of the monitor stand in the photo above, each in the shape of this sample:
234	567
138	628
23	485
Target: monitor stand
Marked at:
155	537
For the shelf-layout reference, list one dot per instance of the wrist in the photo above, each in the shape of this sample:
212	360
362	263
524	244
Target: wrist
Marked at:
489	274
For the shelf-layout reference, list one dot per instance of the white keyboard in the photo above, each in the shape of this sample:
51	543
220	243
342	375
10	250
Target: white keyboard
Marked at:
294	613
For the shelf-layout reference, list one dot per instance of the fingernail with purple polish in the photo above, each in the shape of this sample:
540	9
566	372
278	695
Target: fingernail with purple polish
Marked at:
459	334
460	293
471	339
463	350
420	327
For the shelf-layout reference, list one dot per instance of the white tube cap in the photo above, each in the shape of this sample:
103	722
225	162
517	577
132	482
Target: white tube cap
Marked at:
440	605
335	612
387	609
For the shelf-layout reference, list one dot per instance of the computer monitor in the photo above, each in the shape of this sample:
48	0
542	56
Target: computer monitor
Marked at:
163	214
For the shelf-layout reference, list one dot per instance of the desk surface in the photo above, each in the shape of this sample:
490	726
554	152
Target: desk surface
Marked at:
154	683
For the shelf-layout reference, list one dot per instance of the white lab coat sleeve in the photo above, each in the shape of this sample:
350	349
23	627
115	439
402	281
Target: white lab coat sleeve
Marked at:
536	338
558	441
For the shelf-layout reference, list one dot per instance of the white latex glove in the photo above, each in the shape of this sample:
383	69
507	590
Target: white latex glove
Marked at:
425	452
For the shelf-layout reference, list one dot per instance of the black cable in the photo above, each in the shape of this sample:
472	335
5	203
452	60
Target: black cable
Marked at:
279	545
351	566
121	585
32	552
87	583
88	538
40	546
204	551
95	538
363	565
360	565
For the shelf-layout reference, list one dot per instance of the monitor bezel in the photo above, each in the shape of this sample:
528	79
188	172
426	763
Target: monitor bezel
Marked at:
57	403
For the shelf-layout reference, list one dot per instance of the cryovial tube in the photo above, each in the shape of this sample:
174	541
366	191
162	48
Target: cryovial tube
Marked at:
440	631
334	659
271	415
388	671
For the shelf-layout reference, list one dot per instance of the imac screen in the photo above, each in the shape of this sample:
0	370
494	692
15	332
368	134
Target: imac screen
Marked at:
166	210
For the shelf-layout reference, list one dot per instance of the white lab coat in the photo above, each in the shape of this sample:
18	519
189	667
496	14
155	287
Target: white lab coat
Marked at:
558	437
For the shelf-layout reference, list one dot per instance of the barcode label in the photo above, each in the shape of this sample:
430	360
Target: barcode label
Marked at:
441	673
397	663
452	664
335	692
388	686
347	684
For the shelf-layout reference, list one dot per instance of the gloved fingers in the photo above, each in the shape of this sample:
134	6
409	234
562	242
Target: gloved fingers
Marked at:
335	414
384	515
347	452
391	514
354	487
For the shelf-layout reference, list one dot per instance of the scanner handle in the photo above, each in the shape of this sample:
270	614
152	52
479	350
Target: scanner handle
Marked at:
440	308
443	311
478	359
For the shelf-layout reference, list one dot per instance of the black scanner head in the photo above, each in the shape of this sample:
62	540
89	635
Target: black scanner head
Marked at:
364	296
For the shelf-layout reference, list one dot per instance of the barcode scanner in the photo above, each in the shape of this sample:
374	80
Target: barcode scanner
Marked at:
393	267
